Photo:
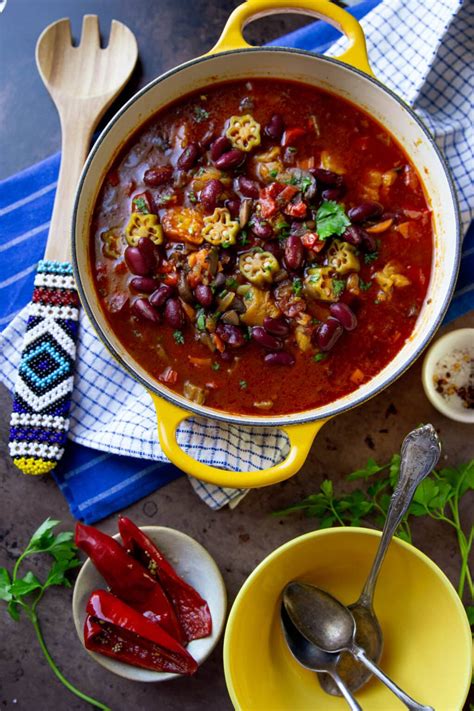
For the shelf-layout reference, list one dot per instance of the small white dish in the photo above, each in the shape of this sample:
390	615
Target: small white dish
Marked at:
450	359
195	565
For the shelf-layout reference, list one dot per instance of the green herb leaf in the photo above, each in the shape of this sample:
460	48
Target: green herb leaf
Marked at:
215	366
242	384
43	537
231	283
331	219
370	257
192	196
297	286
364	285
200	114
243	237
5	585
369	470
273	173
178	337
201	320
320	356
140	205
338	286
26	585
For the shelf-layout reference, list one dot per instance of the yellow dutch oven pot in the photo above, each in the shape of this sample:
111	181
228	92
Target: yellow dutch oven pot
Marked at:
350	77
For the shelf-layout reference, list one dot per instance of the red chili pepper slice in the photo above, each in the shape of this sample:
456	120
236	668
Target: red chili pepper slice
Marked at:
291	135
128	579
193	612
116	630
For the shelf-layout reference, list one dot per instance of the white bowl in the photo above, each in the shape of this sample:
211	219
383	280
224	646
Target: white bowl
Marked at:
461	340
194	564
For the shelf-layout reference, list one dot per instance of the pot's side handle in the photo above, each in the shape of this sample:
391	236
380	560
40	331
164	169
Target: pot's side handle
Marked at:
301	438
355	55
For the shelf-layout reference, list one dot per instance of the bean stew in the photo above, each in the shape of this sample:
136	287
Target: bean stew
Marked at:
262	246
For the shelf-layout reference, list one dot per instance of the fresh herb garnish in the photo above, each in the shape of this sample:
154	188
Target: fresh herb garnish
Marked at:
201	320
192	196
364	285
24	594
338	286
305	183
273	173
178	337
140	205
438	497
331	219
248	296
231	283
243	237
319	357
370	257
200	114
297	286
242	384
215	366
292	149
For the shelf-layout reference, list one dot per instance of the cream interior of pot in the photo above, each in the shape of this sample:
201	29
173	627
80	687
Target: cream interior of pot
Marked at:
331	76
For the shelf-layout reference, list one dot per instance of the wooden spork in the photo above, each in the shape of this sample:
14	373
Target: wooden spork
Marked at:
82	81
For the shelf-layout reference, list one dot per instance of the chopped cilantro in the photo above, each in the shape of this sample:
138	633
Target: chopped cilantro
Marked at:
315	320
364	285
201	320
242	384
243	237
305	183
200	114
292	181
166	197
292	149
140	205
178	337
192	196
370	257
231	283
331	219
248	333
215	366
297	286
319	357
248	296
273	173
338	286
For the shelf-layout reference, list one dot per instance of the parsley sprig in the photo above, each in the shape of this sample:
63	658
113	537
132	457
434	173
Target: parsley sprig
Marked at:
23	594
331	219
438	496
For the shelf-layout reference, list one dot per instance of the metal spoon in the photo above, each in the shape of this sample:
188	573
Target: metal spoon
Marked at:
312	657
420	452
329	625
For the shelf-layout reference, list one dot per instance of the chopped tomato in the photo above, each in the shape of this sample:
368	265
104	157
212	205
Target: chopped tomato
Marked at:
291	135
171	279
311	241
288	192
268	207
113	178
295	209
168	376
120	268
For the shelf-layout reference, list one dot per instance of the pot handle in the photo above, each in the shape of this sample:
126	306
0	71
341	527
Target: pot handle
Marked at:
170	416
356	55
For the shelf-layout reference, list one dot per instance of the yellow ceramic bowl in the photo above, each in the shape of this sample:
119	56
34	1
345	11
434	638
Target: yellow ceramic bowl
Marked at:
427	636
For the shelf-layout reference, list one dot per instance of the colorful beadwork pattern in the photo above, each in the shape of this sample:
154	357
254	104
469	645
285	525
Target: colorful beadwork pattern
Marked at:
42	399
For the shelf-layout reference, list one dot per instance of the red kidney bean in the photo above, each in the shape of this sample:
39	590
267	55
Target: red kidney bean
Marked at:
147	248
328	333
333	193
344	315
276	326
206	140
274	248
232	335
230	159
138	262
234	207
159	296
365	211
143	309
369	243
219	146
144	284
281	358
160	174
327	177
262	229
210	194
203	294
275	127
294	252
188	157
354	235
174	314
248	188
265	339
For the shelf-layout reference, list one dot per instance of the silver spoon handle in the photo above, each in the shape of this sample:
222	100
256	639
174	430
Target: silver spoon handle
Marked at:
399	693
420	452
351	702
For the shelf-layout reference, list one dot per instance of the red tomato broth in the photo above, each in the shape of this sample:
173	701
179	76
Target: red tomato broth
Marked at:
383	326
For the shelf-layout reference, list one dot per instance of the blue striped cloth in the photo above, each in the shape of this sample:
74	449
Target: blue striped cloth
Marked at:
98	483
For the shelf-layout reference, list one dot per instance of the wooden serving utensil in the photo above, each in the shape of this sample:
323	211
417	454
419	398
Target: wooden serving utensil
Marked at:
83	81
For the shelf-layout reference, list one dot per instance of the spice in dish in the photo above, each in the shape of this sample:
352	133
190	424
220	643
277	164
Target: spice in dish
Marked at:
262	232
454	378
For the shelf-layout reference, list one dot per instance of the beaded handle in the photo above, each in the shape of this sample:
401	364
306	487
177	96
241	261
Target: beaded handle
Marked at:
40	419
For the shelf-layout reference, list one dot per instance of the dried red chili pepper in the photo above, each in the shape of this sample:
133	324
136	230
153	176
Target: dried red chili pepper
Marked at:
193	612
128	579
116	630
